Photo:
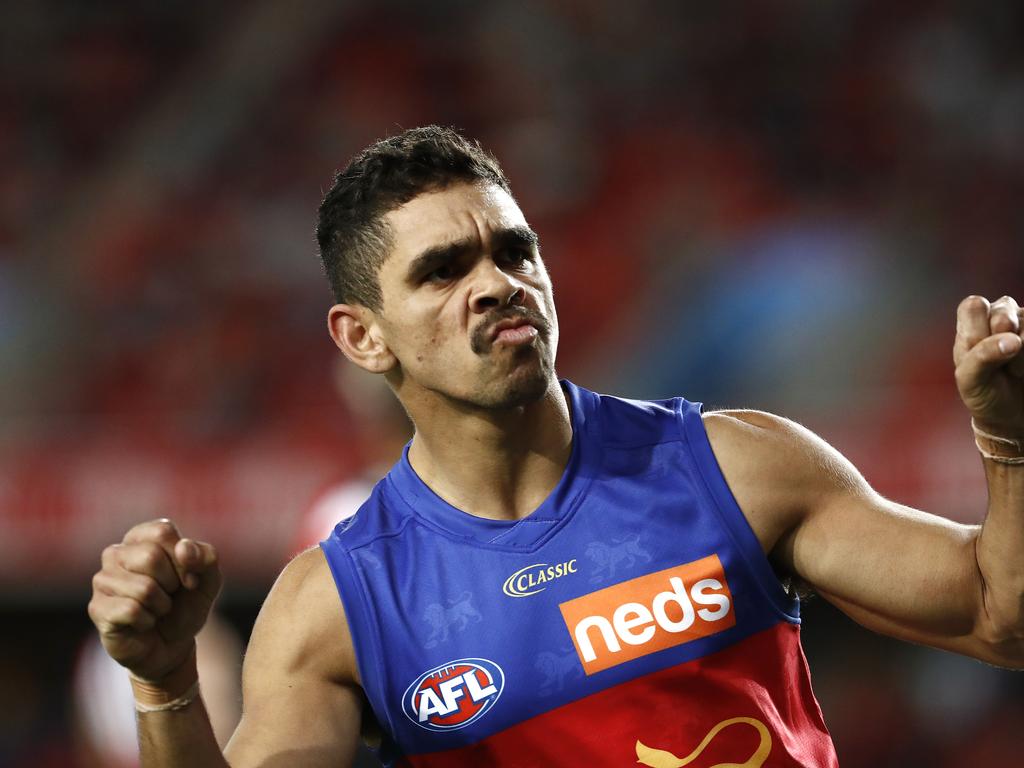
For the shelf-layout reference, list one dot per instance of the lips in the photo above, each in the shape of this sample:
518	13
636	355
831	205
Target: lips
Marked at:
508	324
522	334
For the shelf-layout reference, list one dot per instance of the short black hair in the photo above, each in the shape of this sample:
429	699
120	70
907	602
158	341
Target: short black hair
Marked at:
350	231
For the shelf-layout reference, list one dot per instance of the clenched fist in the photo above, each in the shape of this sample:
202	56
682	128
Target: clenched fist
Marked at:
989	363
151	596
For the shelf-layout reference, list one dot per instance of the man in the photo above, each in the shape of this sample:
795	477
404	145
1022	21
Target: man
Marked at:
548	576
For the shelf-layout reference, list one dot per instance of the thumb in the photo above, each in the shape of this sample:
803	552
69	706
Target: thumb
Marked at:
985	359
198	563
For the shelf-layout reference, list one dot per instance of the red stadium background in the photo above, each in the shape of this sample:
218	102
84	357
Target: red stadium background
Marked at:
774	205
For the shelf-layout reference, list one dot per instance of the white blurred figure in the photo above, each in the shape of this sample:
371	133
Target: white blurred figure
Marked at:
382	429
104	708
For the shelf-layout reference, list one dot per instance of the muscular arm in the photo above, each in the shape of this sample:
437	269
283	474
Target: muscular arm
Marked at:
894	569
300	688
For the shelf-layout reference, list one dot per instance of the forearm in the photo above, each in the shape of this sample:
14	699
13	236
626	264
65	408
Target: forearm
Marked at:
1000	545
1000	554
179	739
177	732
990	379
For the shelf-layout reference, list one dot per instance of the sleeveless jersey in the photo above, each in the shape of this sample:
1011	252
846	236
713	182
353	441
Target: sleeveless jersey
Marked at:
632	618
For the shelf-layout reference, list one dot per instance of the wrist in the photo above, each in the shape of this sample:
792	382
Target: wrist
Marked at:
1000	448
175	690
998	430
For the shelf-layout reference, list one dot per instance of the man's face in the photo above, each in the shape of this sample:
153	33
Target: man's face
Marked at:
468	310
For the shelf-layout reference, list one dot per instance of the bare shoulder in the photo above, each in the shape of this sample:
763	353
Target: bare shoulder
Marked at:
756	443
752	429
777	469
302	625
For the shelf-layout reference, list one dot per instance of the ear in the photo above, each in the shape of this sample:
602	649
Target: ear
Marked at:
357	333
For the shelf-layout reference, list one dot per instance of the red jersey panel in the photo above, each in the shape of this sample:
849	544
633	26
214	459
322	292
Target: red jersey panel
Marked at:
748	705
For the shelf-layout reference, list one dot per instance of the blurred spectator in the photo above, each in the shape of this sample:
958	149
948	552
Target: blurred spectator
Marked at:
381	427
104	710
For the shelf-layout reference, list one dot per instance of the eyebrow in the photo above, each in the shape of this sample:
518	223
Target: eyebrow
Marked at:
510	237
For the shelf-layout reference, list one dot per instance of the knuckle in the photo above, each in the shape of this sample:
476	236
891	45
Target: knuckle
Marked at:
1006	305
972	306
152	596
165	531
148	590
150	556
132	612
136	530
109	554
100	619
137	616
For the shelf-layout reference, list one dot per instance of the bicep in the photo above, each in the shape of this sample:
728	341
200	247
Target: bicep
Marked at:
896	570
302	703
296	721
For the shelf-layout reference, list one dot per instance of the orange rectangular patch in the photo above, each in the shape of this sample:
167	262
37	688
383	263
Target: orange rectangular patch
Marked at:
649	613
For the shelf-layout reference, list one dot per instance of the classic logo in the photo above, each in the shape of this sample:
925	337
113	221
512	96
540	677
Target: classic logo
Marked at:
453	695
650	613
533	578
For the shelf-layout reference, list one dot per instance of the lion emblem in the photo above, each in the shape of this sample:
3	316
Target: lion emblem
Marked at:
443	620
609	558
556	670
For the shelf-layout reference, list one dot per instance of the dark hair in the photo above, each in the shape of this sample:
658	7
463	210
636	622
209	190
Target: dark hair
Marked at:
353	239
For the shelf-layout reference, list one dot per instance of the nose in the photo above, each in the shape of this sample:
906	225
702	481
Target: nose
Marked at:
493	288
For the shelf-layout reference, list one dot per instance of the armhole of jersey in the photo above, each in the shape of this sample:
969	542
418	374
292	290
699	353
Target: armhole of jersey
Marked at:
361	626
691	425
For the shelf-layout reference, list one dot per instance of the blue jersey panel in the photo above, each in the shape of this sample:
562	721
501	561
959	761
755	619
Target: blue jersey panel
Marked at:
464	627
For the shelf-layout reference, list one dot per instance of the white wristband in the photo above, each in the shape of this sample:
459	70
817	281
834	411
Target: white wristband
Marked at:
998	443
174	704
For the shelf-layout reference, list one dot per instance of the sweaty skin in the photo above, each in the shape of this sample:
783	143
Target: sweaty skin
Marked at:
493	435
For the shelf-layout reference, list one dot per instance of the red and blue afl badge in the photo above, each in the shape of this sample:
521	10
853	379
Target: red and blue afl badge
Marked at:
453	695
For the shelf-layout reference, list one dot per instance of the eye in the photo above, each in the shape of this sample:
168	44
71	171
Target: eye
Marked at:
516	256
440	274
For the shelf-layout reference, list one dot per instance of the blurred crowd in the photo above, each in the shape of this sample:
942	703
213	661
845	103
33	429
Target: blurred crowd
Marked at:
773	204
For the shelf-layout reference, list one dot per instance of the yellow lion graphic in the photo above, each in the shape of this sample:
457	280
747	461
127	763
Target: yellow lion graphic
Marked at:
659	758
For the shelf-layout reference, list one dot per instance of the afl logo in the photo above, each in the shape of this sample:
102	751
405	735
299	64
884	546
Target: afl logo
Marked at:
454	694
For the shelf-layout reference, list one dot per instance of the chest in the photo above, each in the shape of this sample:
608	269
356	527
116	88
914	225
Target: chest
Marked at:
478	638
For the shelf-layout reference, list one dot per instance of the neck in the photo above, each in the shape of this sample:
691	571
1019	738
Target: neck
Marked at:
498	464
